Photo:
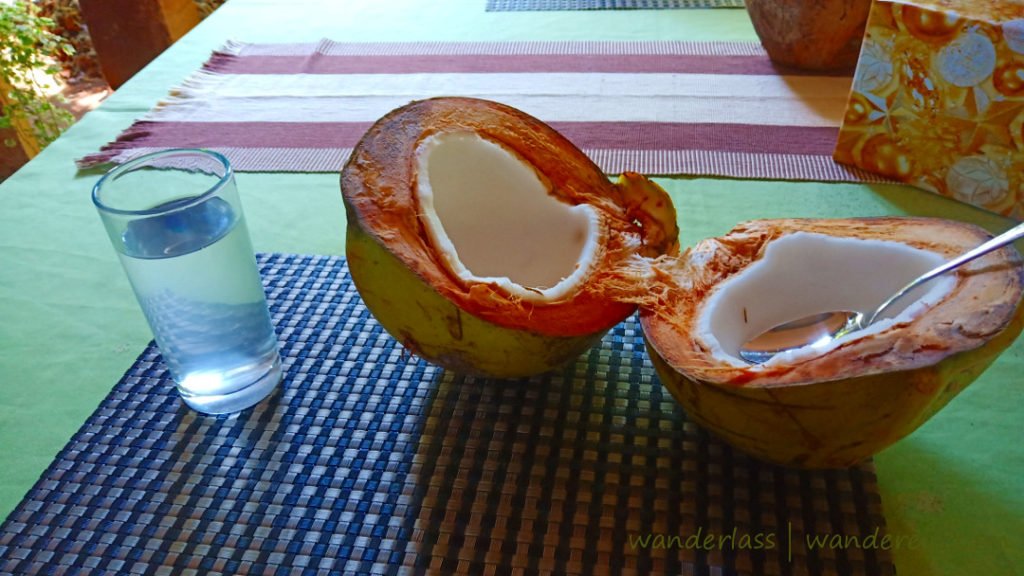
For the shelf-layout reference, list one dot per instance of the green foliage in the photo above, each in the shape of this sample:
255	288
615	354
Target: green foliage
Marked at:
26	50
68	24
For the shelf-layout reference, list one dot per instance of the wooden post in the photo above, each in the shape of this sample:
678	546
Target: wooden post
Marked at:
128	34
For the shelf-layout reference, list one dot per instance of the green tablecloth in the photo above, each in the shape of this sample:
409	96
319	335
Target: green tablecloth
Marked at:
69	325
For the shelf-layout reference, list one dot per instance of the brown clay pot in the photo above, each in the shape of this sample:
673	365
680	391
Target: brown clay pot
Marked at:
811	34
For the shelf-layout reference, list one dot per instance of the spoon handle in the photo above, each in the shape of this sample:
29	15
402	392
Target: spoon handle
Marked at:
1011	235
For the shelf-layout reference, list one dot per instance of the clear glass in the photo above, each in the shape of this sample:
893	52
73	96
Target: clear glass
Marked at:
176	222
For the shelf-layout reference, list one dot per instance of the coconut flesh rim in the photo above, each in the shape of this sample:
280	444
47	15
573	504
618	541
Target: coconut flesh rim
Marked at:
493	220
804	273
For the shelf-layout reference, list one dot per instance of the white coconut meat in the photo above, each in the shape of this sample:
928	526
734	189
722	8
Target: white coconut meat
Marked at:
493	220
802	274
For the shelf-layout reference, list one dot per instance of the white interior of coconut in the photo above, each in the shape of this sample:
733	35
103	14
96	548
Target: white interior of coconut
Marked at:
492	219
802	274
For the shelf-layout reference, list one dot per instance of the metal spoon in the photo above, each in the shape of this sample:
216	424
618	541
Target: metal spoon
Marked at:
819	330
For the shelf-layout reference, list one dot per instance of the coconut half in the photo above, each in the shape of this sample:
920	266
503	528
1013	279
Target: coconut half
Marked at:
484	241
835	405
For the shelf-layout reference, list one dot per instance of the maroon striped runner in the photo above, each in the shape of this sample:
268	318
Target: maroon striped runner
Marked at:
716	108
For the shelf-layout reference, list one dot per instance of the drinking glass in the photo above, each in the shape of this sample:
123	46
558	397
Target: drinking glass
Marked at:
176	222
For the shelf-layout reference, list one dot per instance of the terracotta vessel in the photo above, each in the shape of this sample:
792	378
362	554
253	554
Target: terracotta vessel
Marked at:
814	35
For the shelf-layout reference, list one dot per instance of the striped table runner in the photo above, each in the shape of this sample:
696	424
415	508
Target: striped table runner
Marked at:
664	108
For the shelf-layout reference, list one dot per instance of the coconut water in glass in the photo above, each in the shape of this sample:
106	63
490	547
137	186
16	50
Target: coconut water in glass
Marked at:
177	224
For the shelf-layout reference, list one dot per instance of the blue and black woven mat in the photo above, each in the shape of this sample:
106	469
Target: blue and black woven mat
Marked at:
369	461
532	5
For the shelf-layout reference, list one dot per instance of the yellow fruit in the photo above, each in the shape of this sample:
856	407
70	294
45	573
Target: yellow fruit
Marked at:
932	26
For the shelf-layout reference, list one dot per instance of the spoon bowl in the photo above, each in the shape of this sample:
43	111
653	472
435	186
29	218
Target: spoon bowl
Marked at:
816	330
821	329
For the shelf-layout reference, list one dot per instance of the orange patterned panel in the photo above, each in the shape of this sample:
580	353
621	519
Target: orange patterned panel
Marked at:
938	100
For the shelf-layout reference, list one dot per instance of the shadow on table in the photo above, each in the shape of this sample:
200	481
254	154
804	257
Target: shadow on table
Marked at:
917	202
826	93
595	470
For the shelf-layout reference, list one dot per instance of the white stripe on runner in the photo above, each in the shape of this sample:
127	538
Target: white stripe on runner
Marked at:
244	49
831	91
753	108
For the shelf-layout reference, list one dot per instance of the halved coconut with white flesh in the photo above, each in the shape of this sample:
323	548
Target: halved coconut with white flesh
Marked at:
835	405
485	242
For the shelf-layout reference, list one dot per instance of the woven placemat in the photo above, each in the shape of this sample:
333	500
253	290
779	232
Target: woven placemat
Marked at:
524	5
369	461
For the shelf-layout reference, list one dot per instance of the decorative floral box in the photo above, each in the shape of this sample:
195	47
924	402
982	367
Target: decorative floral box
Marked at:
938	99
